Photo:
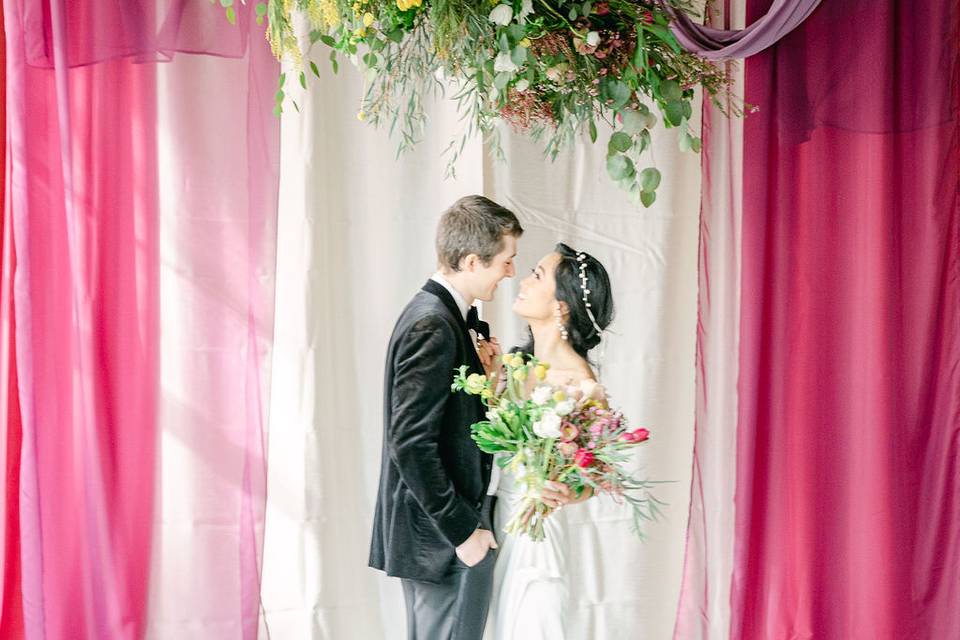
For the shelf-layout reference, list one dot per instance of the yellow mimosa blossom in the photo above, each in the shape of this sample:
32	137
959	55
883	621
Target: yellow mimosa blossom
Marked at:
520	375
540	371
525	43
559	396
330	12
361	116
368	19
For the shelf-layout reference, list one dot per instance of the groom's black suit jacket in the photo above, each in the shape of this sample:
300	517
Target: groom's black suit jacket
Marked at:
433	478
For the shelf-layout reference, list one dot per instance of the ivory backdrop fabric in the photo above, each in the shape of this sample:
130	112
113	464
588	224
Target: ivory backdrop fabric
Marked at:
355	242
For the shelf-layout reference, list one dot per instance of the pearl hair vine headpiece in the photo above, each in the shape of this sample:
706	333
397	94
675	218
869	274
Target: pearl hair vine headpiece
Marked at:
585	289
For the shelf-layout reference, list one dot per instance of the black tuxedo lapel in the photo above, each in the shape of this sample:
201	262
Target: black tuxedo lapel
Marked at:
441	292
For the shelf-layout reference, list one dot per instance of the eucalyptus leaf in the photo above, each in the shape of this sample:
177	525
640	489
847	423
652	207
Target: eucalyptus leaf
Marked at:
633	121
670	89
617	91
231	15
673	111
516	32
620	141
648	197
518	55
593	131
649	179
620	167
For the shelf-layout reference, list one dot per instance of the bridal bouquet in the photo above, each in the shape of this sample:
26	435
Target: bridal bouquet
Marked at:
560	433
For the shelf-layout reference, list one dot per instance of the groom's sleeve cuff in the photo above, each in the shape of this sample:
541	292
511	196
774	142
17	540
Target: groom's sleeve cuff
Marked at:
459	524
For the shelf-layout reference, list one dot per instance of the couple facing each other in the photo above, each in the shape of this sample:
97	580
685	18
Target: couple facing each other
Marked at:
435	525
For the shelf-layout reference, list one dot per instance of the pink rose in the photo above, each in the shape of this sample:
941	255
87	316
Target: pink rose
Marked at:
583	458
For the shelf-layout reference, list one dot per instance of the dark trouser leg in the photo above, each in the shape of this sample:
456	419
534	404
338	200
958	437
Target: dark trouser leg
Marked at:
430	608
456	608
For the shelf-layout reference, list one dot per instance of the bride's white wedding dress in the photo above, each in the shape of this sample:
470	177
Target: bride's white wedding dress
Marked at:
530	588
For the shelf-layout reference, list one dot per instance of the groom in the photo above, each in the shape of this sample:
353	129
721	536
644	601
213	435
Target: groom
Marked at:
433	521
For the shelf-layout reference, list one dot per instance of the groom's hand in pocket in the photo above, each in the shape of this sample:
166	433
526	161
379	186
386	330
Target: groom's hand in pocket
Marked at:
476	547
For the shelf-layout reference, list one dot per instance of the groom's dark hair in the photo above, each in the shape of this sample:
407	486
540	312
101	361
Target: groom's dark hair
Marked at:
474	224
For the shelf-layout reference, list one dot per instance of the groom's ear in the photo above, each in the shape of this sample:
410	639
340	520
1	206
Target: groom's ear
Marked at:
470	262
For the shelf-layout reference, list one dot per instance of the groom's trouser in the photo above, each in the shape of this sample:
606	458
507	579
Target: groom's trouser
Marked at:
456	608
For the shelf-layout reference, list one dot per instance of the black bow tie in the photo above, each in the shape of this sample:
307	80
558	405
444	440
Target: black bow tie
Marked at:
474	322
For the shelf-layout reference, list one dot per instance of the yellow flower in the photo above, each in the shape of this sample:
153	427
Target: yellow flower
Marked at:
361	116
368	19
330	12
414	3
520	375
540	371
486	394
476	383
525	43
559	396
403	5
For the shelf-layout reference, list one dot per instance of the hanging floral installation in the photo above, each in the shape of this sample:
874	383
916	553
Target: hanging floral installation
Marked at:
549	68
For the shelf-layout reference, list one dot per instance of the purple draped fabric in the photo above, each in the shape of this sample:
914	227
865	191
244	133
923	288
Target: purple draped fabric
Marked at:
720	44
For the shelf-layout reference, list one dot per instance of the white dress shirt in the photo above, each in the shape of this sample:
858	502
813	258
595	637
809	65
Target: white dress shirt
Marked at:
457	297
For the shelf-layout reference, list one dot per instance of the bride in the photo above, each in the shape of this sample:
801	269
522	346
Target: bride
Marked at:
567	302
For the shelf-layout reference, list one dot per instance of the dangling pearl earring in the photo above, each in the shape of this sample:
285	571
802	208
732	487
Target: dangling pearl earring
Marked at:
563	329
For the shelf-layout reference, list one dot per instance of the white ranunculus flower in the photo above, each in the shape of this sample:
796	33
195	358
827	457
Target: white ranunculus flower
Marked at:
564	408
526	8
502	14
548	426
593	38
504	62
541	395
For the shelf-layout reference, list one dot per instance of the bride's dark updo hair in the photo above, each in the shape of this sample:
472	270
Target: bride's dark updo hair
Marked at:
582	335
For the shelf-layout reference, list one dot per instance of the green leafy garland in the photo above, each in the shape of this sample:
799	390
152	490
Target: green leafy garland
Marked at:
548	67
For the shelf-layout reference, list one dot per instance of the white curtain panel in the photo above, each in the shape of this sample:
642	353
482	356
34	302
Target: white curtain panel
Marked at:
704	612
355	241
620	584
